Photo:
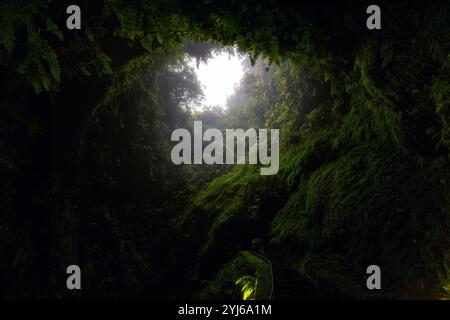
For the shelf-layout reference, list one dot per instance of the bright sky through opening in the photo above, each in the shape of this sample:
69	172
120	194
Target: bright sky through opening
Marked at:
218	77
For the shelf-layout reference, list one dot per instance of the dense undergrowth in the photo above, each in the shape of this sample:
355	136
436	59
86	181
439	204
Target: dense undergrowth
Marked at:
85	150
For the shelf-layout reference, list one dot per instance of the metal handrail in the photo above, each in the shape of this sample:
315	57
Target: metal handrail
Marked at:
271	269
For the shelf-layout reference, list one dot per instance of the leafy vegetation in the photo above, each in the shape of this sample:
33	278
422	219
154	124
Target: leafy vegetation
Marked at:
86	176
244	277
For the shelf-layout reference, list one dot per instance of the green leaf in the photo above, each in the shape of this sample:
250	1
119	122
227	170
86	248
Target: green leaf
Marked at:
146	42
53	28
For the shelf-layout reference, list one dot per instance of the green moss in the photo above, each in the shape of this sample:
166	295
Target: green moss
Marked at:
372	206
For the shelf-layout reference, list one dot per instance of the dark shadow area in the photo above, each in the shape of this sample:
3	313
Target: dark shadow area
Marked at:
85	151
